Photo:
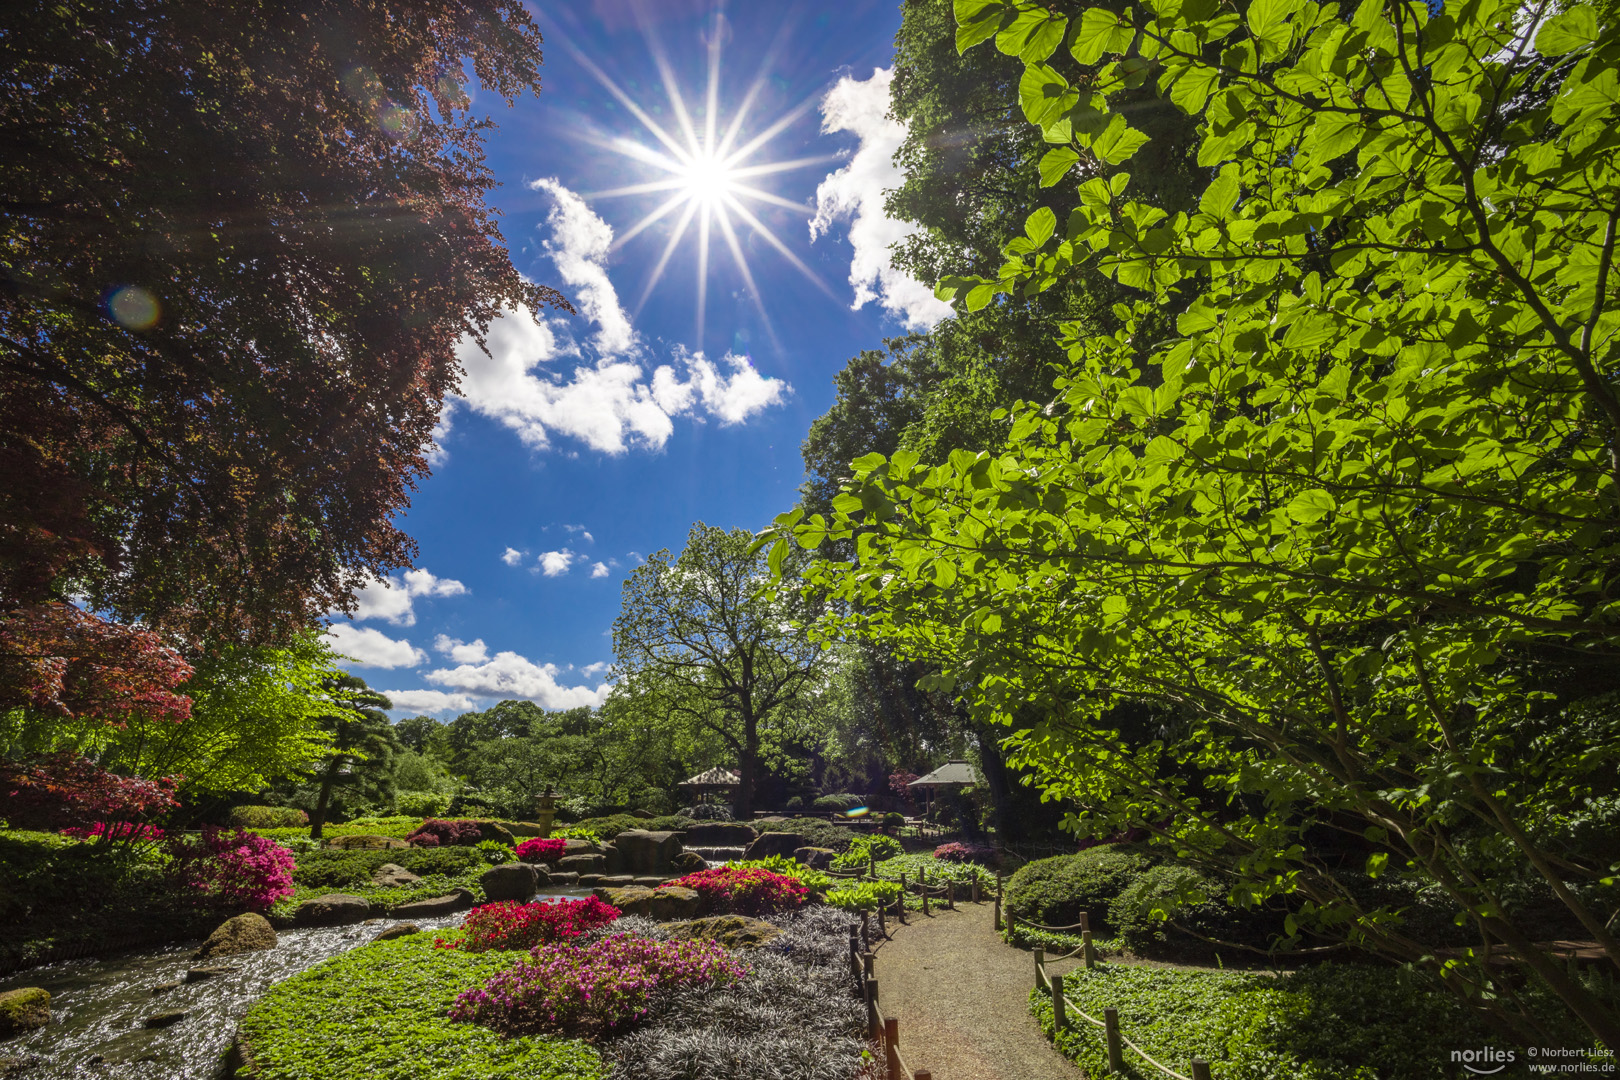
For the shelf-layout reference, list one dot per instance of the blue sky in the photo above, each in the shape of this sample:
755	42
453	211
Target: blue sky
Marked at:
582	443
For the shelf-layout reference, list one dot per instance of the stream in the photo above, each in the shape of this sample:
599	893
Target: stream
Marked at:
99	1007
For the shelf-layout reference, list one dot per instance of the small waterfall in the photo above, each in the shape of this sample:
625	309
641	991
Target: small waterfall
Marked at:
715	856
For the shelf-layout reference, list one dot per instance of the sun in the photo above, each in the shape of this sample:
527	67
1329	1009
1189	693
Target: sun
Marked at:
708	174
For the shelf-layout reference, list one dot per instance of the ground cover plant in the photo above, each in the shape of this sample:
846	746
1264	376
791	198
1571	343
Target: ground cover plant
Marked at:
594	988
938	871
1328	1022
814	880
865	848
442	870
398	827
728	891
383	1011
864	895
510	925
267	817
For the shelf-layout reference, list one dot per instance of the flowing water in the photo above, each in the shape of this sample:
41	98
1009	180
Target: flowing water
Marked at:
99	1007
718	856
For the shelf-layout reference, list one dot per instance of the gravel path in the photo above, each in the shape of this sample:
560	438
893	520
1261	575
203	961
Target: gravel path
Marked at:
962	997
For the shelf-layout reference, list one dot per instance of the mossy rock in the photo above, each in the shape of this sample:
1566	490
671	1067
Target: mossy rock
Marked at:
366	843
24	1009
248	932
732	931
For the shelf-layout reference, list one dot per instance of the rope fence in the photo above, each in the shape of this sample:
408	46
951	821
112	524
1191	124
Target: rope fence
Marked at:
1113	1038
881	1029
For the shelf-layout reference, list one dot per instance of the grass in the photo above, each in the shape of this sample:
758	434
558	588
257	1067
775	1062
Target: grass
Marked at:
397	827
381	1011
1328	1022
443	870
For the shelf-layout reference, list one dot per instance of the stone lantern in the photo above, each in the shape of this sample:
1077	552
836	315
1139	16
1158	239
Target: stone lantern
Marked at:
545	810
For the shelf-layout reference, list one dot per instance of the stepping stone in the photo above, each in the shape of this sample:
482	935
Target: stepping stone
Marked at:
166	1019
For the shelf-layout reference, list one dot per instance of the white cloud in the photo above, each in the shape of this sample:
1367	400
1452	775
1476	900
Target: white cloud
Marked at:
512	556
392	599
372	648
582	531
509	675
610	405
462	652
428	701
554	563
591	671
579	246
856	193
599	570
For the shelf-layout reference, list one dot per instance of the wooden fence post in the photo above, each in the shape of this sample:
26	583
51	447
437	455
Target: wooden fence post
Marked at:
1200	1069
855	951
950	895
891	1047
1012	929
975	888
997	915
883	921
1116	1059
1085	940
922	1074
1060	1018
872	1028
866	928
923	882
1040	962
868	962
902	909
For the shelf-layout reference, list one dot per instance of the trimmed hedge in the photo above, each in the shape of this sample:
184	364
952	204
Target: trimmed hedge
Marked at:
268	817
839	801
1131	916
816	832
606	828
1328	1022
381	1011
1055	891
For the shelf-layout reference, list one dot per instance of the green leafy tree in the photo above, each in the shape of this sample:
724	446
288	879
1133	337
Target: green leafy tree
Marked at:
700	636
1335	558
362	747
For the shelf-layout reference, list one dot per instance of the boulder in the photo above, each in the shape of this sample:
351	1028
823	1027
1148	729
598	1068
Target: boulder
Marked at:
688	862
816	858
167	1018
510	881
245	933
523	828
732	931
619	881
164	988
433	907
586	881
645	815
563	879
212	971
775	843
391	875
582	847
398	930
366	843
494	830
24	1009
583	864
675	902
629	899
652	881
644	852
333	909
719	834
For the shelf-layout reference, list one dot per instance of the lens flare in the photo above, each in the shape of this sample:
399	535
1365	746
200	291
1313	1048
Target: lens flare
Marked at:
133	308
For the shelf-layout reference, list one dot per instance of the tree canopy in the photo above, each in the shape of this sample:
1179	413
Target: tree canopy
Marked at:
239	245
1334	558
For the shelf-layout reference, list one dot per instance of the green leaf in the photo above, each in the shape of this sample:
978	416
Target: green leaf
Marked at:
1268	20
1056	163
1033	35
1118	142
1192	90
1222	194
977	20
1100	31
1313	505
1044	94
1040	225
776	557
1574	29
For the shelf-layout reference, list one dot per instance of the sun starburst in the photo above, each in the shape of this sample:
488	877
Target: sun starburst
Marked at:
707	175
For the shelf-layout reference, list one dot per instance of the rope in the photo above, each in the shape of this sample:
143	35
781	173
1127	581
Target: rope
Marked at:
1049	929
1067	1000
1066	956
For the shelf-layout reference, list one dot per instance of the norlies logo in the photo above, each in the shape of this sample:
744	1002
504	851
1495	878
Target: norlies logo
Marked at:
1485	1061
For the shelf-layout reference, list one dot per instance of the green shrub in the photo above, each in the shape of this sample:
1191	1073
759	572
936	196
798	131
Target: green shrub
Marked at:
814	880
1328	1022
817	833
422	804
398	827
494	852
840	801
892	820
863	849
1055	891
382	1011
331	868
268	817
1200	909
864	895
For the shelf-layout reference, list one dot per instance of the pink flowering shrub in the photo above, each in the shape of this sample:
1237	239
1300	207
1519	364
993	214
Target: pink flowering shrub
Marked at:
542	849
964	853
756	891
590	989
511	925
233	870
115	830
436	832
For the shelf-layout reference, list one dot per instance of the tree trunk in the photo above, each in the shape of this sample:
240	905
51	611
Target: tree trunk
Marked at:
747	770
317	818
